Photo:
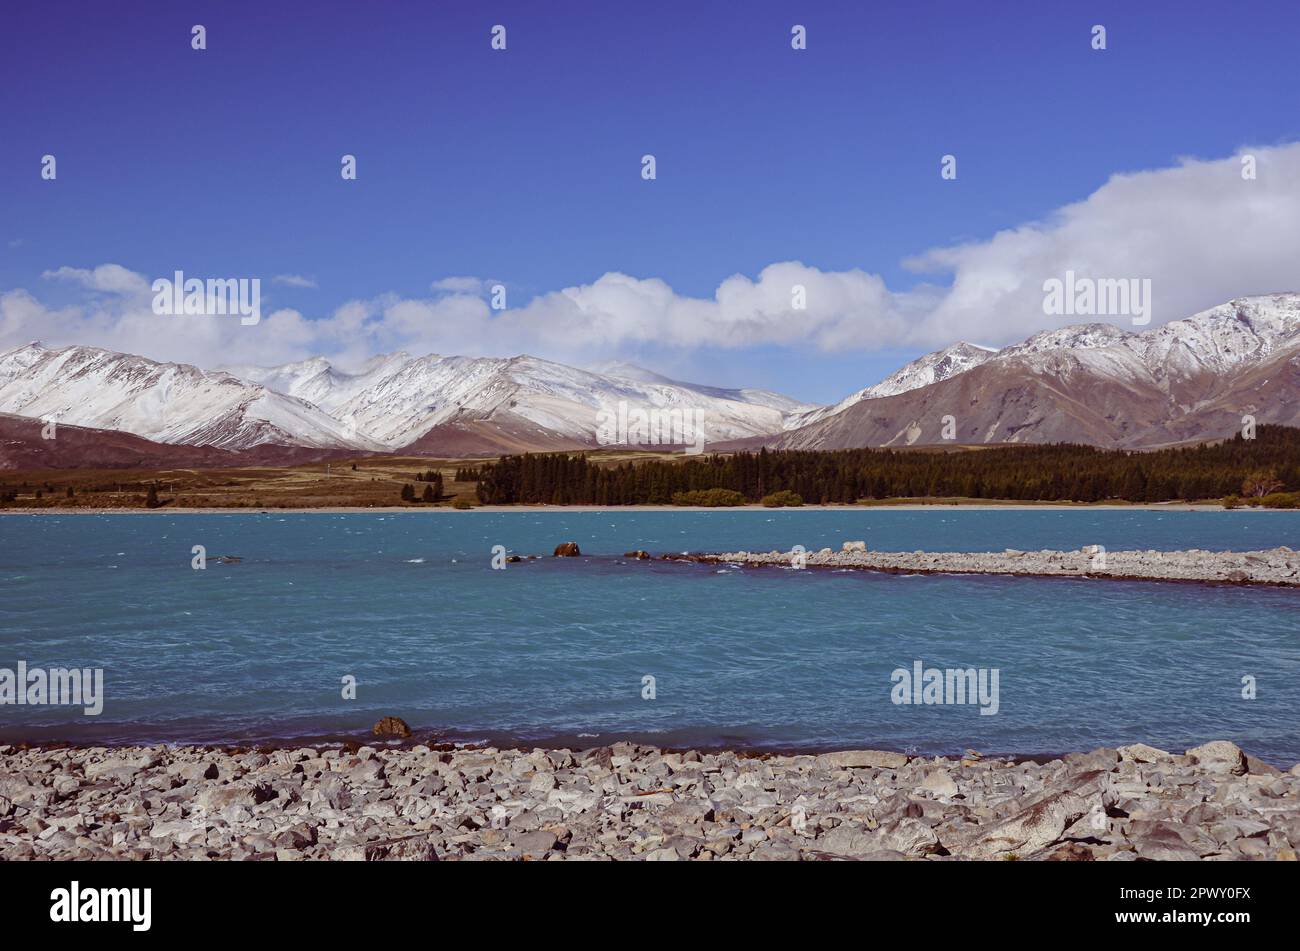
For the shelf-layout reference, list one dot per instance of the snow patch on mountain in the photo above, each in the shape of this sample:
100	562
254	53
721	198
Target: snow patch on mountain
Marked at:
395	399
923	371
165	402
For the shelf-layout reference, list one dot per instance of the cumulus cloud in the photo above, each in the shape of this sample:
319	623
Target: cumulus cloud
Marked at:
107	278
459	285
293	280
1198	230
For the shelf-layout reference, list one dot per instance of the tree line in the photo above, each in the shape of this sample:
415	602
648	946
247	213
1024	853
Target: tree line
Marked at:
432	489
1262	467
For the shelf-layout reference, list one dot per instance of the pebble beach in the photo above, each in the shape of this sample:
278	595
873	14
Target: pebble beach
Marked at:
627	802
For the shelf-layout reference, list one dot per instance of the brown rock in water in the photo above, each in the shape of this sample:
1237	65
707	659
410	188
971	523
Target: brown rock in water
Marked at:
391	726
567	550
639	554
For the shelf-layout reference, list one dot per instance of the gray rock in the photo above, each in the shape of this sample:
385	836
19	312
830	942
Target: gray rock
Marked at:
1257	767
862	759
940	784
908	836
848	838
410	848
1219	756
1099	759
1038	826
1141	753
536	844
1163	843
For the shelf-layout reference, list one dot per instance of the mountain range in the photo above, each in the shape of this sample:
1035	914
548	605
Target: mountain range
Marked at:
1185	381
1096	383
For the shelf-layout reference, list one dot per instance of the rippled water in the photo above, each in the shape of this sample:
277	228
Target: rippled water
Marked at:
556	650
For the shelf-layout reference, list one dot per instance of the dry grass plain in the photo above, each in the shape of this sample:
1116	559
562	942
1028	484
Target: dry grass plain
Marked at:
357	482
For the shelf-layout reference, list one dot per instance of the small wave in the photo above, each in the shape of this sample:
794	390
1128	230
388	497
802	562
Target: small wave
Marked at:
415	561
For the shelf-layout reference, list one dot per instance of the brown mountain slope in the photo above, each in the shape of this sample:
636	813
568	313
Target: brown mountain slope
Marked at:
467	435
1063	399
22	446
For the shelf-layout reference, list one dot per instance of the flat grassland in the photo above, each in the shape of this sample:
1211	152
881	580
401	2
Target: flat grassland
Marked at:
348	482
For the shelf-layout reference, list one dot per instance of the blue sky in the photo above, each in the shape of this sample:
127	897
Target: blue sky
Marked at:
524	166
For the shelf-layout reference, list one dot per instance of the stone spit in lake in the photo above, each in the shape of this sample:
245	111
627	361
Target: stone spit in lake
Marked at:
637	802
1274	566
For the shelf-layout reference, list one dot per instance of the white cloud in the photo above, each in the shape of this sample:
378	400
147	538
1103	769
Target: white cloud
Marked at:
108	278
293	280
459	285
1199	231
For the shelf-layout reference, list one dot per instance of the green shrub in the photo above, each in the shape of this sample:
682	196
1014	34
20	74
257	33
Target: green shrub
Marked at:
1280	500
1232	501
782	499
462	504
712	498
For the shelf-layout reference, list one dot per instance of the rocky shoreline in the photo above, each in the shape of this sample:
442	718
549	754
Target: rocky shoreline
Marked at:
1274	566
629	802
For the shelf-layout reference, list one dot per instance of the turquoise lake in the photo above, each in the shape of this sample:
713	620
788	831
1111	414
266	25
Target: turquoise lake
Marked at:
555	651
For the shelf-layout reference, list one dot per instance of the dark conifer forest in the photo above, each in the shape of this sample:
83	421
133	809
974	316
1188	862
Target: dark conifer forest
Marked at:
1264	469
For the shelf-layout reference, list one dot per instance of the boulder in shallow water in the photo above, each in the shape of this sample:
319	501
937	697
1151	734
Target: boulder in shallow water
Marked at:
391	726
567	550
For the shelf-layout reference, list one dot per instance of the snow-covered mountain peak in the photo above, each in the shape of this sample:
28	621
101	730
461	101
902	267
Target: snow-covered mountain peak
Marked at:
1073	337
931	368
165	402
398	399
627	371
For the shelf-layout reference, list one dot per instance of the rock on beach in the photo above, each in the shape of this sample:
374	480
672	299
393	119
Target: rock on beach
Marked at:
628	802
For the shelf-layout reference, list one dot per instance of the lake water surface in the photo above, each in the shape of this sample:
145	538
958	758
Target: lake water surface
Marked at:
556	650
